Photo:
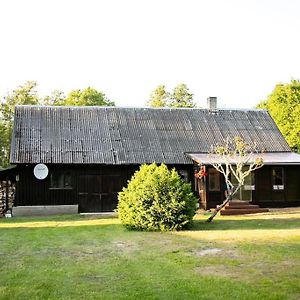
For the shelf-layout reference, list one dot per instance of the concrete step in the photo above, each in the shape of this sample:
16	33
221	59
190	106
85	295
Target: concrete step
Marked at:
241	211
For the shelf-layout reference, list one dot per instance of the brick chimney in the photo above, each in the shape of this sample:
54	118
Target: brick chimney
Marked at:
212	102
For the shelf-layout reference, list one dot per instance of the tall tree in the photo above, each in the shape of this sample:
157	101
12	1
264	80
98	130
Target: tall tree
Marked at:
158	97
284	107
55	98
25	94
180	97
234	158
86	97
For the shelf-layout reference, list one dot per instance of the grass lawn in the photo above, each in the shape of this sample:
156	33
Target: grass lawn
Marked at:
75	257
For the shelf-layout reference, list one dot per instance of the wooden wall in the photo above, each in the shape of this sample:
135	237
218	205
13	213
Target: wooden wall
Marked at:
91	183
264	194
94	188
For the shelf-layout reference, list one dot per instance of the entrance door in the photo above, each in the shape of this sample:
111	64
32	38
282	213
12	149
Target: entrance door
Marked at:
245	192
98	193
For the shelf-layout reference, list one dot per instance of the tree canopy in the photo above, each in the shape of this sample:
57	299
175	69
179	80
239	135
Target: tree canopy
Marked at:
26	94
236	159
85	97
23	95
180	97
158	97
283	104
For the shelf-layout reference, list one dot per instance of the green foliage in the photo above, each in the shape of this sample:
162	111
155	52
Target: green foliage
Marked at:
158	97
25	94
86	97
180	97
284	106
57	97
156	199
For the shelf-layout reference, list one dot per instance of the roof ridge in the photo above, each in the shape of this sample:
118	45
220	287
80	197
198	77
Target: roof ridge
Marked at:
142	108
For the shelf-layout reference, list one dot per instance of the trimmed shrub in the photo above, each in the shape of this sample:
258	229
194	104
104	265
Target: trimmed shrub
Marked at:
156	199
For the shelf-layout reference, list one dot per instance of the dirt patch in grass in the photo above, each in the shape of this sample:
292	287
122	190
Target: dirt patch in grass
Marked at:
124	246
220	271
207	252
250	271
245	271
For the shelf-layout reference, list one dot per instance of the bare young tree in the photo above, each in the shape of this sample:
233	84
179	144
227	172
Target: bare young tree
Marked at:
234	158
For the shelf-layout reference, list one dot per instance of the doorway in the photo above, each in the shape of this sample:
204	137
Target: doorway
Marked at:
98	193
245	192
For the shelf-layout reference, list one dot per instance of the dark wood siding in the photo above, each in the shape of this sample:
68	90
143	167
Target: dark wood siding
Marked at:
293	184
94	188
266	196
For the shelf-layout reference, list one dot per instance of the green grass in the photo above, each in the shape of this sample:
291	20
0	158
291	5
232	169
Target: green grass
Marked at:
75	257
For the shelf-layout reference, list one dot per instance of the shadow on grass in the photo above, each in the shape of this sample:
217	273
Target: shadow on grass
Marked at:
240	224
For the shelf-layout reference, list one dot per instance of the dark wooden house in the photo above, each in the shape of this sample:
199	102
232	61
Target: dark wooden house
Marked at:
91	153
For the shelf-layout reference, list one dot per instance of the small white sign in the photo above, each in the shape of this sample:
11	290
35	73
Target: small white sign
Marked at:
249	187
40	171
278	187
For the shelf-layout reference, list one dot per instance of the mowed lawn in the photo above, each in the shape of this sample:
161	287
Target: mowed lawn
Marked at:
77	257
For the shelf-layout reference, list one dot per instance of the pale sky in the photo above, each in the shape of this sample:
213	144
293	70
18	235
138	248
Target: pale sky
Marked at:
236	50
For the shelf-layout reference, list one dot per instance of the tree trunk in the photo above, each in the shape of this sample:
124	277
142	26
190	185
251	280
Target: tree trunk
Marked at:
228	198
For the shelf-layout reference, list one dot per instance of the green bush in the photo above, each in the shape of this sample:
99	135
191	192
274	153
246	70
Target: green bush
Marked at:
156	199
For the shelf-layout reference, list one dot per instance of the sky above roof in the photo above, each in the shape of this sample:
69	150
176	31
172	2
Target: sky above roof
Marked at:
237	50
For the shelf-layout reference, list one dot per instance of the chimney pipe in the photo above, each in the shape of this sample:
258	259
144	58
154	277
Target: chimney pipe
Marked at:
212	102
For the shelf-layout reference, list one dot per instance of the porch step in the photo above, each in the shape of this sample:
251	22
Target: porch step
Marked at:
242	211
238	207
242	206
238	202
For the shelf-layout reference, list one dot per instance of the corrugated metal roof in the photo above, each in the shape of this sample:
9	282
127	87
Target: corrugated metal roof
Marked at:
112	135
274	158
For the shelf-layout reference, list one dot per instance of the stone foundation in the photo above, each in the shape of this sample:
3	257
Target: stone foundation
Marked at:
44	210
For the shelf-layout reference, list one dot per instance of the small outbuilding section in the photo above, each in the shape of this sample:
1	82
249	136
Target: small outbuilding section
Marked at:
91	153
276	184
7	189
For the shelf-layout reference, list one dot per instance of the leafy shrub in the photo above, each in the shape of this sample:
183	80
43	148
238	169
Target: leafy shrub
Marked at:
156	199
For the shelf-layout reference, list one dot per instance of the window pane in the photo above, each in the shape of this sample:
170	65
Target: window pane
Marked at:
56	180
277	178
60	180
67	180
213	180
184	175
